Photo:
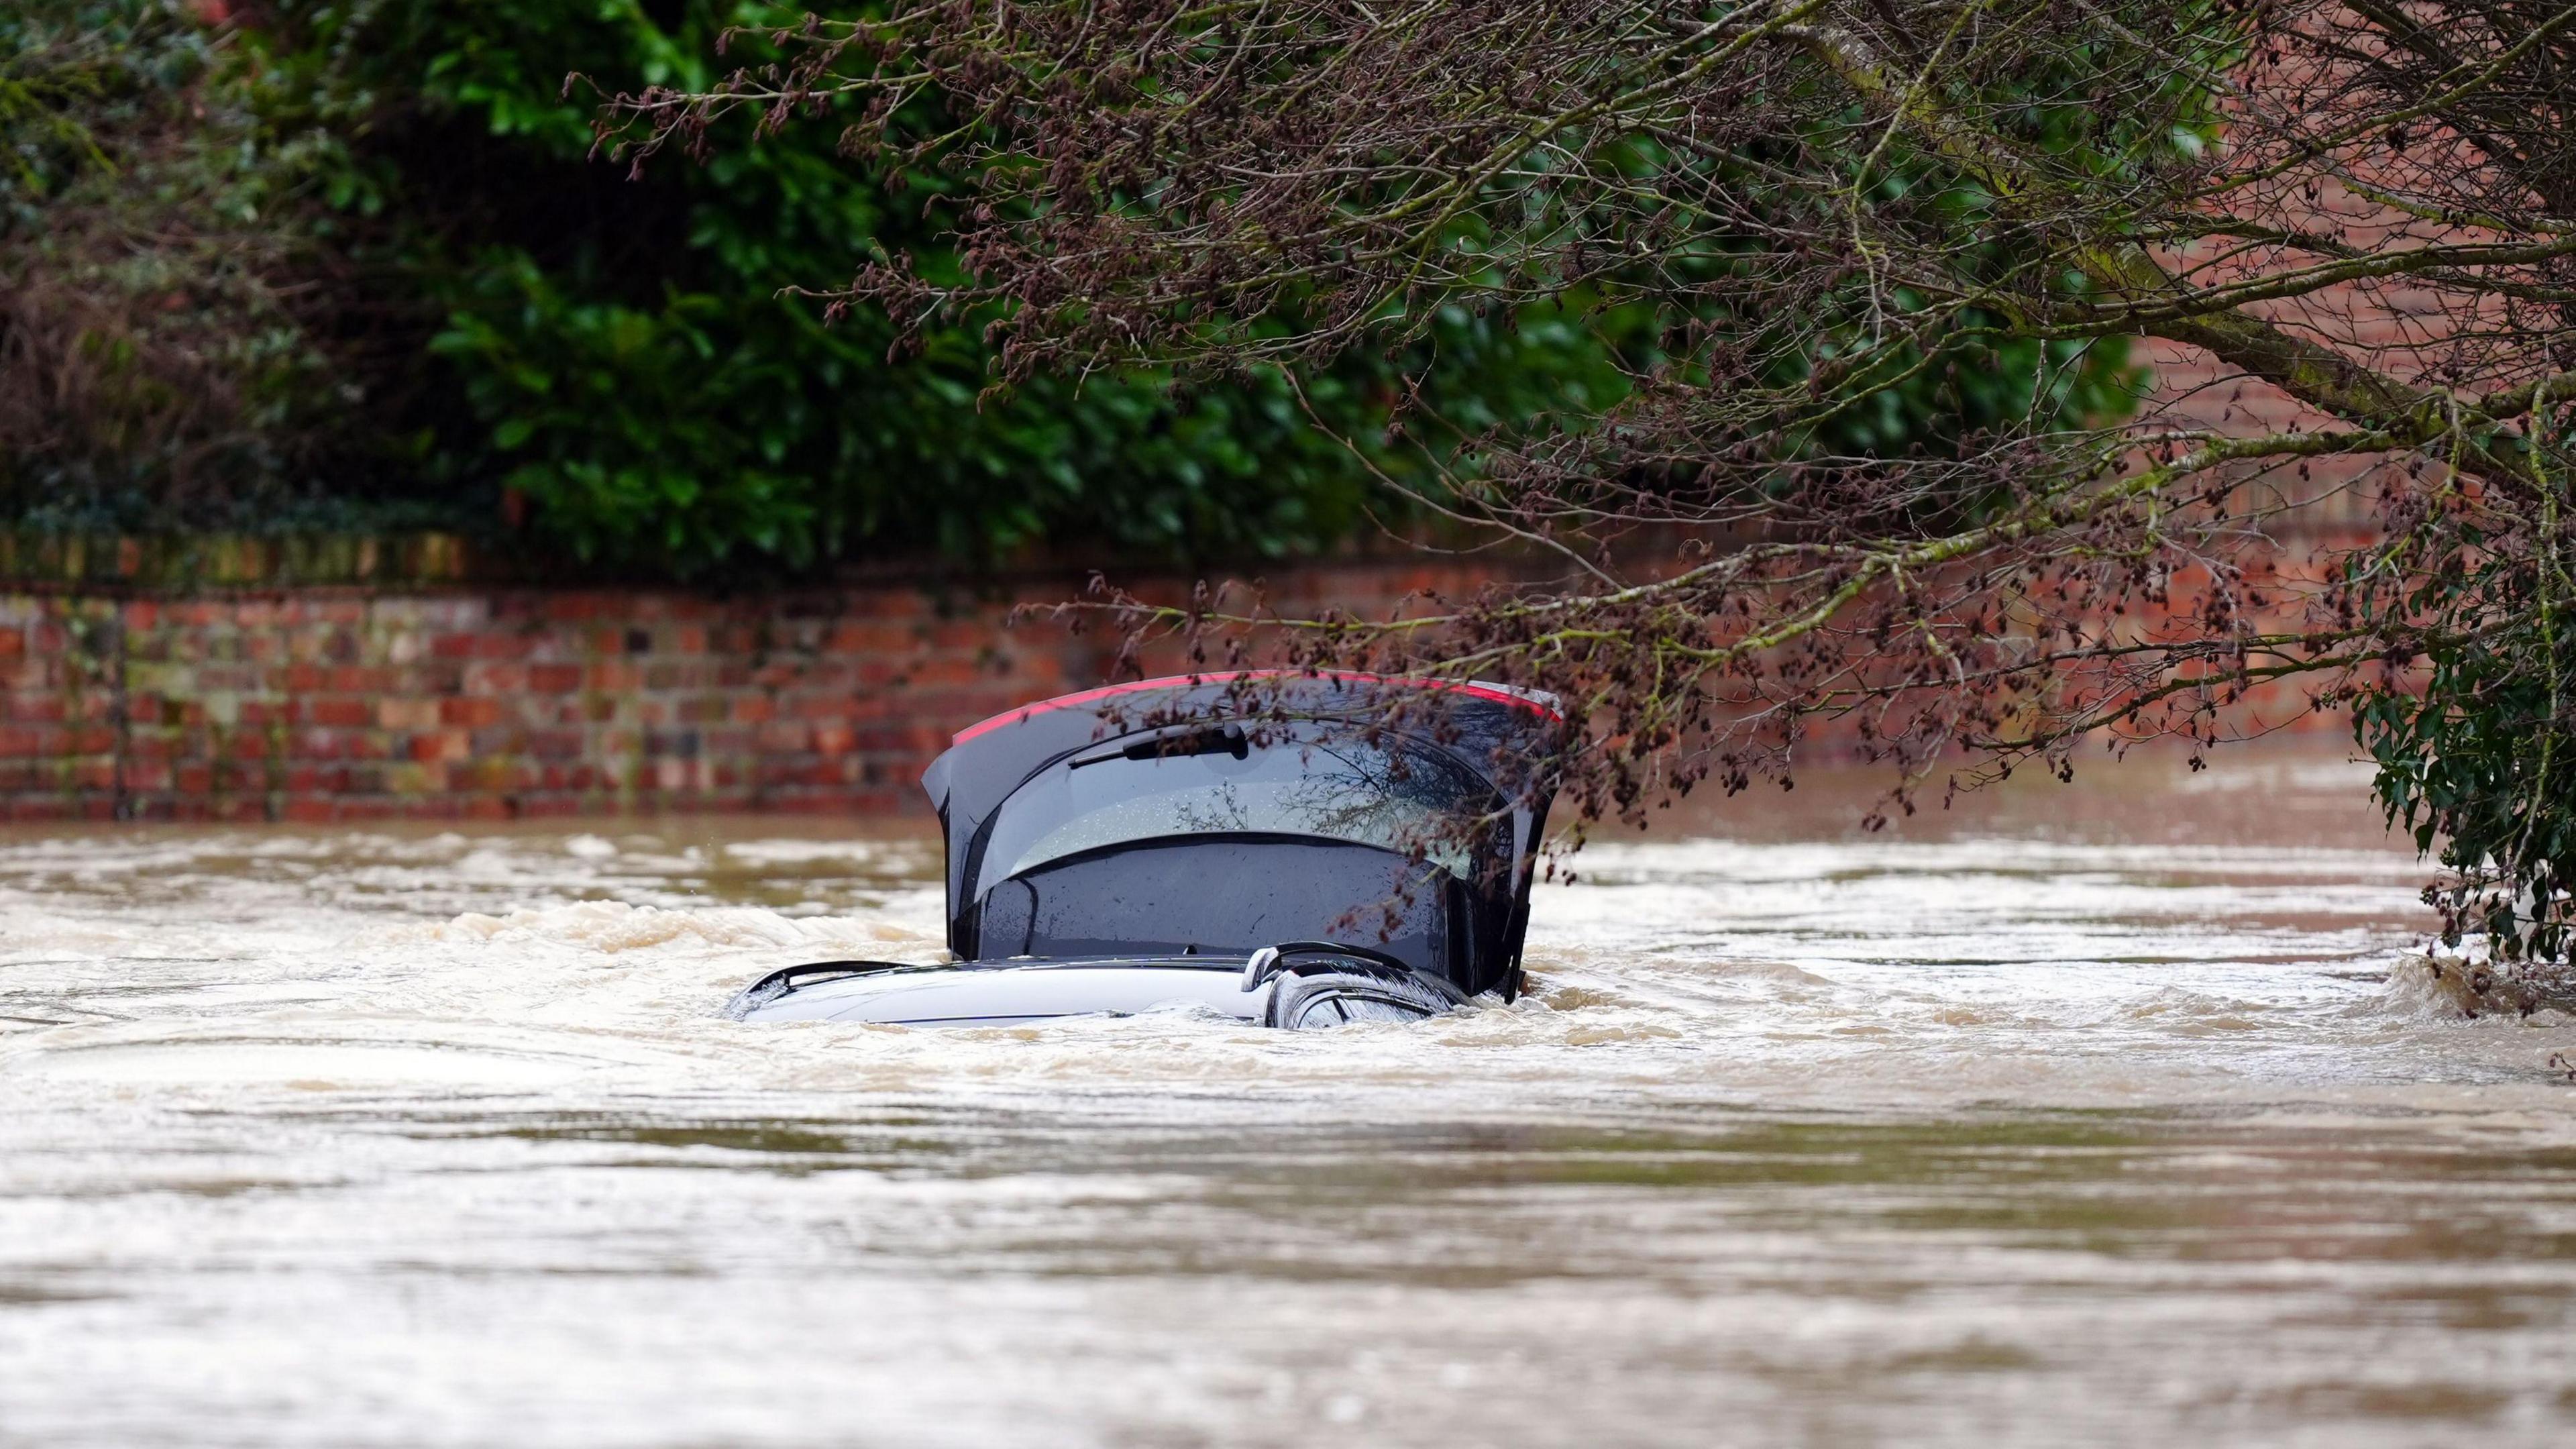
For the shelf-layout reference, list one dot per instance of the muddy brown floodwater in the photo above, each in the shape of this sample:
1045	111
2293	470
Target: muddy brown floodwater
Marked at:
2085	1114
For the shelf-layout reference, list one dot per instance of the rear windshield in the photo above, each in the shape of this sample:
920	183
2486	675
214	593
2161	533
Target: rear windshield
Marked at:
1400	795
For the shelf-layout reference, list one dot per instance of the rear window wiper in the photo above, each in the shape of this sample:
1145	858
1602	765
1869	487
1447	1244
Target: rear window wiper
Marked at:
1177	744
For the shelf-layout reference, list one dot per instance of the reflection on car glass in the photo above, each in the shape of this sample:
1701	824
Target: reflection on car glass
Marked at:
1403	799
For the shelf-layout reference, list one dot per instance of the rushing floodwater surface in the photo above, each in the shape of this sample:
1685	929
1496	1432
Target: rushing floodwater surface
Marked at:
2076	1114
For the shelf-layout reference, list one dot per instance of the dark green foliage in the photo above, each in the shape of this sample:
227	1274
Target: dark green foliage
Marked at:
416	295
155	364
2477	752
616	350
2000	379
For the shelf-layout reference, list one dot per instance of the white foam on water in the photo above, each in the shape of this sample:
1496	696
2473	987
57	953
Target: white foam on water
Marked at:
304	1065
387	1138
1945	966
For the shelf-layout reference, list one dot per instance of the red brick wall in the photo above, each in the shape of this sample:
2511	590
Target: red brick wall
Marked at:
338	703
327	703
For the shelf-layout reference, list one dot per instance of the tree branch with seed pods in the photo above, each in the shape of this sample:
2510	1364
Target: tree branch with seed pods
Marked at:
2360	217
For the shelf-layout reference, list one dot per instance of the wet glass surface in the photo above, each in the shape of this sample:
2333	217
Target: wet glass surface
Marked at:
1398	795
2077	1114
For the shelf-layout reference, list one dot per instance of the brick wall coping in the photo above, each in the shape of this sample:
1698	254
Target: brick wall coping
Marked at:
194	564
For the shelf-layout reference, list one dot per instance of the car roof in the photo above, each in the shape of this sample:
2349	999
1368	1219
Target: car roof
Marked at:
989	759
1506	735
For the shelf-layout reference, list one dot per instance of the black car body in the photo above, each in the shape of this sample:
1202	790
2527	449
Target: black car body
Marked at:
1294	849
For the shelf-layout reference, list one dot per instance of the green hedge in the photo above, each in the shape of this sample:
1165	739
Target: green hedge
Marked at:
415	298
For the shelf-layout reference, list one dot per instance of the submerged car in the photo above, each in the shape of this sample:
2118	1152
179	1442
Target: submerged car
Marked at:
1298	850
